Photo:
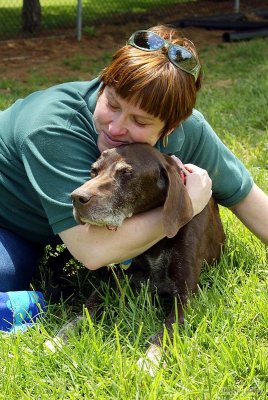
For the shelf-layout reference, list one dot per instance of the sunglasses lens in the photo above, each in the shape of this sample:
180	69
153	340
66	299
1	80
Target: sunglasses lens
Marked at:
148	41
182	57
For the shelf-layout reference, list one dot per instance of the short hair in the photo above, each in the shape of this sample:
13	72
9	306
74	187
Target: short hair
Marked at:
149	80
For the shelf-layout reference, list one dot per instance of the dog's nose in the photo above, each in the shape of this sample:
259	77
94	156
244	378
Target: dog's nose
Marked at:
81	198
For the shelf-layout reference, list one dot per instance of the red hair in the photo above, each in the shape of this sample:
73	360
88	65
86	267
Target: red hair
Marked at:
149	80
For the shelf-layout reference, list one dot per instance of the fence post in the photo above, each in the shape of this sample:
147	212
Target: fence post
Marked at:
237	5
79	20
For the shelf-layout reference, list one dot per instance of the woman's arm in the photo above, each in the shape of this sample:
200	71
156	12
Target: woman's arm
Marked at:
96	246
253	212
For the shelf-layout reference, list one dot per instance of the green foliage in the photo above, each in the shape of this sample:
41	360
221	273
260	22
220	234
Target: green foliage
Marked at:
222	350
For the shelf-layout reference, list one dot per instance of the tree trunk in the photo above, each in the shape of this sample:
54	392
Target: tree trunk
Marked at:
31	15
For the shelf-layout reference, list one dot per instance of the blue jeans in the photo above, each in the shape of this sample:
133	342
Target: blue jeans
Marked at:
18	261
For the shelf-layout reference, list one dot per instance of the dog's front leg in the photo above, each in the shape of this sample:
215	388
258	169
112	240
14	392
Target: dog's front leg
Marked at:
154	355
62	337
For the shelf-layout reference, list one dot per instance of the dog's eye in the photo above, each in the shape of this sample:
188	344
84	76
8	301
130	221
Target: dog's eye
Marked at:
94	172
125	171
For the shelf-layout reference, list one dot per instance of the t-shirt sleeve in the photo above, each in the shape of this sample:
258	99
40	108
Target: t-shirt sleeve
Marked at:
231	181
58	160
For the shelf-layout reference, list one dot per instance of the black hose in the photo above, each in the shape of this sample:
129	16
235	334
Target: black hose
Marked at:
236	36
262	13
228	25
219	17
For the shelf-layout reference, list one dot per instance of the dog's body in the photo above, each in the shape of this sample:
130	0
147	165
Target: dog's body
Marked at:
135	178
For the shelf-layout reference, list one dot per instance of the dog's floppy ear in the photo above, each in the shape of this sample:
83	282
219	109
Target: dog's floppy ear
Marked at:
178	210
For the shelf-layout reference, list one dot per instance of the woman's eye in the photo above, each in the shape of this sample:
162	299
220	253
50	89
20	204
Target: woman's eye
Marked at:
113	107
141	124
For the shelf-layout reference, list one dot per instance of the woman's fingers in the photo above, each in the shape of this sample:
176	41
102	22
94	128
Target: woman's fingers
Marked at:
198	184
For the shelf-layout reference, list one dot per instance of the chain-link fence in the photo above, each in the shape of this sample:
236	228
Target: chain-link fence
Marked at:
30	18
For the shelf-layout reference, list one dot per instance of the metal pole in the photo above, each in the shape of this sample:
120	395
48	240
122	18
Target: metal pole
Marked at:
79	20
237	6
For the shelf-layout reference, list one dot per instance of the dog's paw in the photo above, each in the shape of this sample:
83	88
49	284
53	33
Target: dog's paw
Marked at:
62	336
53	345
152	360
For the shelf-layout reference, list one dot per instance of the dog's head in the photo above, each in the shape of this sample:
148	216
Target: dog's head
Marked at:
129	180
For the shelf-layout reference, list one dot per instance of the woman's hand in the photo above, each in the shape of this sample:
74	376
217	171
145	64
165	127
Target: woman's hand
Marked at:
198	184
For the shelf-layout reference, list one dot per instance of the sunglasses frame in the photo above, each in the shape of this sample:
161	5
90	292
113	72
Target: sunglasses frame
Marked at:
168	45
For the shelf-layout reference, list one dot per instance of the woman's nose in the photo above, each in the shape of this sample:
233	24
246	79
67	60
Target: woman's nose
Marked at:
117	127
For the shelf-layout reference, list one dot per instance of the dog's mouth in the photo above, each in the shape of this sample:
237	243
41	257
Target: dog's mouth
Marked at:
109	227
112	228
81	220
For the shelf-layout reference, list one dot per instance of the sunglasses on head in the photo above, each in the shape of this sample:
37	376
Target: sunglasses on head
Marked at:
178	55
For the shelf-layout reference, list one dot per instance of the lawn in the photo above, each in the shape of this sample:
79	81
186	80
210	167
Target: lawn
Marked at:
222	350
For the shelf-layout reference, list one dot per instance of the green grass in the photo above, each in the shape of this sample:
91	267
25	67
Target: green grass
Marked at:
62	14
222	350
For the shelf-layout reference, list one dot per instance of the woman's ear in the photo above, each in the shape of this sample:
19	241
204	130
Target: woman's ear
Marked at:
165	137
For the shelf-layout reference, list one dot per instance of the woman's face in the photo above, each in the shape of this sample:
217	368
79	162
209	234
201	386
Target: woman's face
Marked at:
119	122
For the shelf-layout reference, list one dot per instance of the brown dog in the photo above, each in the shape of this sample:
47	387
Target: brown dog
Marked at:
132	179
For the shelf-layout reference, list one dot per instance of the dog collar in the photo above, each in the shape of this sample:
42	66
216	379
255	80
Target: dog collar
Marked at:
126	264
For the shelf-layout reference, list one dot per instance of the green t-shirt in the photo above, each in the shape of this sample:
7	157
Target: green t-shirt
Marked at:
48	142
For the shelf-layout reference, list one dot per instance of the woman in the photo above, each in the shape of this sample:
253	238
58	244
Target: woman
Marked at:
50	139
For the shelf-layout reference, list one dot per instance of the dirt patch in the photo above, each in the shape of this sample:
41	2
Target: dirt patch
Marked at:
20	57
